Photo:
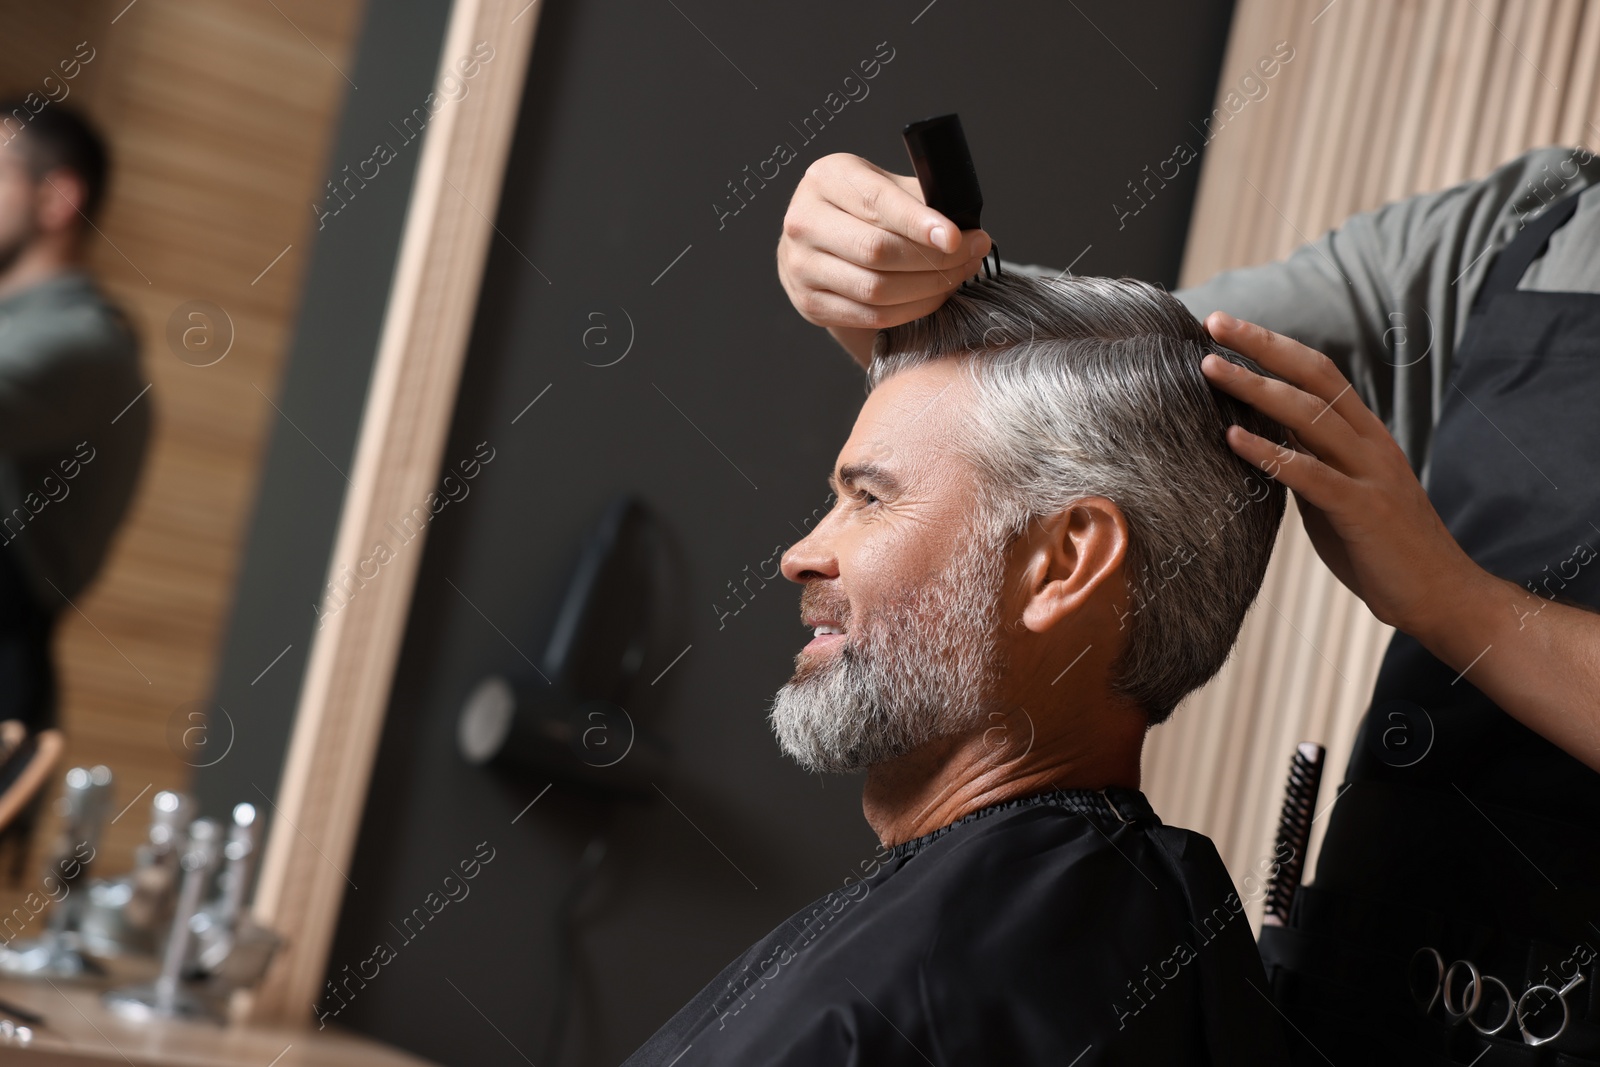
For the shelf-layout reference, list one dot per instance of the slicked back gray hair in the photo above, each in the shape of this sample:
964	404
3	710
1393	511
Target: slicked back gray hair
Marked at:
1092	387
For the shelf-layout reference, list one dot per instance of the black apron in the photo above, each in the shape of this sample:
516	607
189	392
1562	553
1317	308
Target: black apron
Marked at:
1457	828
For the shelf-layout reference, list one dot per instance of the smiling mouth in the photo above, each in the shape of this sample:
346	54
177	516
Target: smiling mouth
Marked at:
825	636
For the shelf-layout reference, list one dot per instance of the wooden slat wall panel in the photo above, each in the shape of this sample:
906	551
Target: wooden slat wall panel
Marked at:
219	116
1383	99
1578	110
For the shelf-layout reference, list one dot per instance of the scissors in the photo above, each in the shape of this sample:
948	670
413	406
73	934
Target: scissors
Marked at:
1465	1002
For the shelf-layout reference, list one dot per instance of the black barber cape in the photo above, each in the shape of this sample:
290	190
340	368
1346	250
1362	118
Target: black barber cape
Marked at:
1070	928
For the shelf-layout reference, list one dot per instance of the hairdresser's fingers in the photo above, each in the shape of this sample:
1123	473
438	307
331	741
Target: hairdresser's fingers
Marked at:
1377	530
823	308
1302	366
1316	489
877	288
828	229
1314	423
976	242
875	196
1308	476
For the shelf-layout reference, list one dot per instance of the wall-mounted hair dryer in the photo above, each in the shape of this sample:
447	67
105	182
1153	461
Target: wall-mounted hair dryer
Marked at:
569	722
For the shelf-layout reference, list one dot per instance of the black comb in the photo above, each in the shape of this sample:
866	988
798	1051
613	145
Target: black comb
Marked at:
944	169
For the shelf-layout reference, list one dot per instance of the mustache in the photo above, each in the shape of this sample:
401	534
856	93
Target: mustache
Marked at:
820	599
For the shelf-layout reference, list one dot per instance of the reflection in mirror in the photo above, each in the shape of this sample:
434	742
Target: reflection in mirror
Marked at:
157	160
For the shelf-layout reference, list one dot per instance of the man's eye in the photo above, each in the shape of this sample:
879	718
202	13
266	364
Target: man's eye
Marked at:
861	496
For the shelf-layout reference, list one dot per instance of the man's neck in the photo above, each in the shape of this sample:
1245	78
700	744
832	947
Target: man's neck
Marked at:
38	263
1017	755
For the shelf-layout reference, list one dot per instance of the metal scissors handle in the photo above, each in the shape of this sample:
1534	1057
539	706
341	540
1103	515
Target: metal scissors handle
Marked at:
1561	998
1437	984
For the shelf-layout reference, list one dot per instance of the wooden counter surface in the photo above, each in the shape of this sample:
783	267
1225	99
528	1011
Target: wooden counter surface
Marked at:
79	1031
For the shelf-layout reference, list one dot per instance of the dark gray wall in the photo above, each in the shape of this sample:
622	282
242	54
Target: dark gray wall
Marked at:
633	123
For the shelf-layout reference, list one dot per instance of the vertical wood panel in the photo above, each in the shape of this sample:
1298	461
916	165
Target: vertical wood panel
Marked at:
1385	98
1421	63
1580	105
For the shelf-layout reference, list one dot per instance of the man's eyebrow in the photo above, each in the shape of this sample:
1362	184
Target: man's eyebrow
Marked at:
871	473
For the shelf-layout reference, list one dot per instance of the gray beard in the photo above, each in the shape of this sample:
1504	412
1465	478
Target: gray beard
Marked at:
924	668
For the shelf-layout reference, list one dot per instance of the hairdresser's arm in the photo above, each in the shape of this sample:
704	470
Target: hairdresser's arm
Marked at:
1331	294
1374	526
860	251
1386	294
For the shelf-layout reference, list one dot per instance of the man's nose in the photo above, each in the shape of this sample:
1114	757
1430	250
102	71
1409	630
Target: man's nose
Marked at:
810	557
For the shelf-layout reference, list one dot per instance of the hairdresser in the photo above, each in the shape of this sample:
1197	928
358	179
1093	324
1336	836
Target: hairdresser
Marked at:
1461	331
73	427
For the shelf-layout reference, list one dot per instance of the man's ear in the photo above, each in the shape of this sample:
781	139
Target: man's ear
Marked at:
1072	556
60	198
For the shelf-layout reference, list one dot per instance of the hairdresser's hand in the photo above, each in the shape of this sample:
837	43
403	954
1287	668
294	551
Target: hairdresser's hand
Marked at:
1365	511
860	251
1377	530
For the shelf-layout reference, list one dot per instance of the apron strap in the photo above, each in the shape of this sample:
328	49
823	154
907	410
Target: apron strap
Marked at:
1529	244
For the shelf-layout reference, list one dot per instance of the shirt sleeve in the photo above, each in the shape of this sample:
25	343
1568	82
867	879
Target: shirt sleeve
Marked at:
1386	294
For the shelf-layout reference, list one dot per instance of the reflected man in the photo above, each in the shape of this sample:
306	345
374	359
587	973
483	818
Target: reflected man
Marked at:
72	433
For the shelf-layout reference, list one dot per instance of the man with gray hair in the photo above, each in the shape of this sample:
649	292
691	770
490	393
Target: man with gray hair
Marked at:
1041	543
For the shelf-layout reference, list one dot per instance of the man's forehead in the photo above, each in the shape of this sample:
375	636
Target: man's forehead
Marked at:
909	415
